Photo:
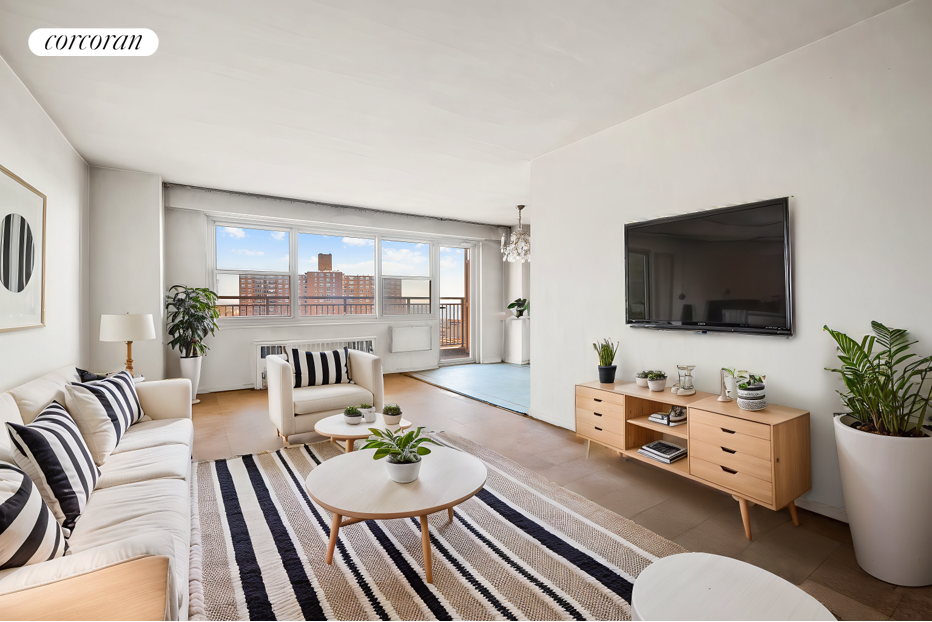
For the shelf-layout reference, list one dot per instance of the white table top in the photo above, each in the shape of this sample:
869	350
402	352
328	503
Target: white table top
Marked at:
336	427
700	586
355	485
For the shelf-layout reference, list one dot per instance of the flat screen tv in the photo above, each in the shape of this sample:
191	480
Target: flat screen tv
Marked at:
723	270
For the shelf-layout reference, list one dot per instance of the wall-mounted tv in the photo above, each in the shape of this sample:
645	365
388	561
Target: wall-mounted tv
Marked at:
724	270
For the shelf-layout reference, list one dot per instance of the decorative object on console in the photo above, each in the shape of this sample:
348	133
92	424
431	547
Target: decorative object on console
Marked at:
22	254
519	307
657	380
352	415
676	416
391	414
128	327
368	412
884	454
685	385
751	392
192	315
729	376
403	450
519	245
641	378
606	351
30	533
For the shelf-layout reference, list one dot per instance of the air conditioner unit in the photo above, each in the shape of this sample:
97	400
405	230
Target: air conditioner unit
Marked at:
264	349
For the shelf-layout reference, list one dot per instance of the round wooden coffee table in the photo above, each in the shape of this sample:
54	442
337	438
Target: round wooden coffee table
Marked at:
358	487
700	586
338	430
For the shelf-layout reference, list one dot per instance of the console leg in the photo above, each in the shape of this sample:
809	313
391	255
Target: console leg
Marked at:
588	446
793	513
745	517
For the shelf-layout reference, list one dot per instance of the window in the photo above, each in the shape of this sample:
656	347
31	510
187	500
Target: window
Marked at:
253	272
406	284
327	261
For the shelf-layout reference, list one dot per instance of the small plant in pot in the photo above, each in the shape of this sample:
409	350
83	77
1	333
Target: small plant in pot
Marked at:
520	306
752	389
192	315
403	450
641	377
368	412
657	380
606	351
352	415
884	454
391	413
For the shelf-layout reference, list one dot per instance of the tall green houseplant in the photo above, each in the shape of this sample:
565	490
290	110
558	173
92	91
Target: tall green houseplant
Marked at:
192	315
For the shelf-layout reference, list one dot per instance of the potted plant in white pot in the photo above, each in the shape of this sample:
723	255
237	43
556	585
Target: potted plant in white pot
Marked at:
657	380
391	414
192	315
520	306
606	351
885	455
641	378
368	412
403	450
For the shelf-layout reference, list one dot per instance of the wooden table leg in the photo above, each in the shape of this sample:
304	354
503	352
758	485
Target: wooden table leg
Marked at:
450	514
334	532
745	516
793	513
588	445
349	445
425	544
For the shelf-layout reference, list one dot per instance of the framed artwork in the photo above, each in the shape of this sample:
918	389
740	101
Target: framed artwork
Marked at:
22	254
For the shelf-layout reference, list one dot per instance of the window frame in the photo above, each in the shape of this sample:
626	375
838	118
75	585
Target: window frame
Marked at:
431	246
216	271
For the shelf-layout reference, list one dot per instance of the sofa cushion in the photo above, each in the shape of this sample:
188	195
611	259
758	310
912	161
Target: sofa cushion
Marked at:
104	410
154	433
29	534
140	465
51	451
35	395
308	400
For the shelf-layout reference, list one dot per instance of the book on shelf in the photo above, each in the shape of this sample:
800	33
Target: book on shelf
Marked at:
663	451
666	419
660	458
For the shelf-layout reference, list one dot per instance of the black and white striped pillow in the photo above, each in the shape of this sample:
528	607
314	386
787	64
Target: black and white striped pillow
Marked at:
104	410
55	457
312	369
29	534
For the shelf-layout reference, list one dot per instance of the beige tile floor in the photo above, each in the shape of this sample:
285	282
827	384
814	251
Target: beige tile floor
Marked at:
817	555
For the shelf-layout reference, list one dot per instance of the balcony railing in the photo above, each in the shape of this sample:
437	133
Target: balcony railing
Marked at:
454	323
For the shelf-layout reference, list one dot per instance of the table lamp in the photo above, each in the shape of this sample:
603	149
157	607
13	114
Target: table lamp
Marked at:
128	327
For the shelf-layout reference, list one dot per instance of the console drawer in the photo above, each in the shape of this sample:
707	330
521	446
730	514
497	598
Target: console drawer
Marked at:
601	396
733	424
739	461
609	409
719	437
603	436
606	422
732	479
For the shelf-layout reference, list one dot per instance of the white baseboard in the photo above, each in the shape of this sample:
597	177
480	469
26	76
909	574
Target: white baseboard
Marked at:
535	414
234	387
823	509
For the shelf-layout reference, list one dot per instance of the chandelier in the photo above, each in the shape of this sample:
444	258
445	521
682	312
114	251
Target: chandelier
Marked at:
519	245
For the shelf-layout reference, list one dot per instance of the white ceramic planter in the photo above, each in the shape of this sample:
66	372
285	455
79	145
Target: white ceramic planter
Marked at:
391	419
191	369
368	414
657	385
642	382
888	499
350	420
403	473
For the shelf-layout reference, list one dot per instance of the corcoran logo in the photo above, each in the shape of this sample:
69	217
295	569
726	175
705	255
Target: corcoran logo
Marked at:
93	42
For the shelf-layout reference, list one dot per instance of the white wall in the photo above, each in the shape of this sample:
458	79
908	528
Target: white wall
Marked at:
229	362
126	274
33	148
844	126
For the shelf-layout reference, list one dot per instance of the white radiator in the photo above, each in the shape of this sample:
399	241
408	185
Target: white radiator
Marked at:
410	338
266	348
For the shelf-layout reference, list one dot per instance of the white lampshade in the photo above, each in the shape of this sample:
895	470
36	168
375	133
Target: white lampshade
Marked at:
127	327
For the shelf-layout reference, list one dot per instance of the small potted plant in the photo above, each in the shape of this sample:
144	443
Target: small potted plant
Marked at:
657	380
391	413
606	351
368	412
751	392
352	416
403	450
641	378
520	306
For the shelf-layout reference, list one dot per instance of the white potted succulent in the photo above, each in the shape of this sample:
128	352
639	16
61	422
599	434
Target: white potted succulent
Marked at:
403	452
368	412
641	378
391	414
657	380
192	315
352	415
885	454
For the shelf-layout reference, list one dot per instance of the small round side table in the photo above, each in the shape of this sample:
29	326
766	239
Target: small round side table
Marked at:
338	430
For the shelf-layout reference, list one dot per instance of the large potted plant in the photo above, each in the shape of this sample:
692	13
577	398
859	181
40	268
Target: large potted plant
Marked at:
606	351
403	450
192	315
885	455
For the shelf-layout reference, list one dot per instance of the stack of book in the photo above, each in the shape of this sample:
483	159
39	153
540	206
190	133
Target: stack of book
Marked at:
668	419
663	451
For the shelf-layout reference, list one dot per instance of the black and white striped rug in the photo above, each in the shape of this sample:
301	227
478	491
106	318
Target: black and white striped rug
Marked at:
523	548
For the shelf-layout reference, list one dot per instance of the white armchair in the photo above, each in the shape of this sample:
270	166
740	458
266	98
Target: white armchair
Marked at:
296	411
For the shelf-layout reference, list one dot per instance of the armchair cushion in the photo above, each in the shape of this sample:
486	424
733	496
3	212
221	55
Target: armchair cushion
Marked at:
319	368
308	400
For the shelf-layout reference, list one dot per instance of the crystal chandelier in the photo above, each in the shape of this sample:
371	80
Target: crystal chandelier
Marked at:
519	246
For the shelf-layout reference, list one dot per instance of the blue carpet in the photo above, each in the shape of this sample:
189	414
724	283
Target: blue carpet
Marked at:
501	384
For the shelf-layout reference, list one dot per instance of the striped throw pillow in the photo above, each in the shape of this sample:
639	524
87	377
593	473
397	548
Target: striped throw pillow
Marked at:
313	369
104	410
55	457
29	534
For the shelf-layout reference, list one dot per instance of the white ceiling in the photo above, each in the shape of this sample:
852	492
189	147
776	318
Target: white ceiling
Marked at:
430	107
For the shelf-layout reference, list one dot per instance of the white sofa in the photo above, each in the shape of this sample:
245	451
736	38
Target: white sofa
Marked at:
129	552
295	411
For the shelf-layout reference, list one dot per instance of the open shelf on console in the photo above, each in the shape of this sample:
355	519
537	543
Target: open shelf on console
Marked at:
645	422
680	467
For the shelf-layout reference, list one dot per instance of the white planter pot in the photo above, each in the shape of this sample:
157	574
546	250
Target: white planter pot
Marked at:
888	499
368	414
350	420
191	369
657	385
641	382
403	473
391	419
